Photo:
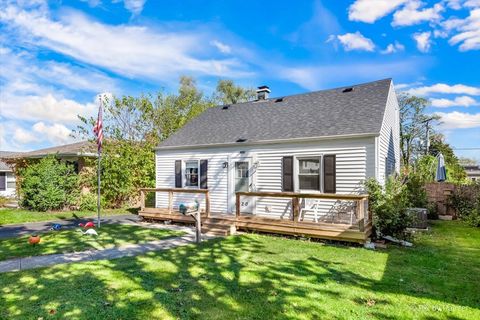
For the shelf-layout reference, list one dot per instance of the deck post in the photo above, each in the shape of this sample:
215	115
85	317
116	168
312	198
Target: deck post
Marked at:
207	203
142	200
237	204
296	208
170	201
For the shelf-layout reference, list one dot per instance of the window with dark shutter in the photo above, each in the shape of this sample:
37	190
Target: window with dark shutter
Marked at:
287	174
203	174
329	174
3	181
178	173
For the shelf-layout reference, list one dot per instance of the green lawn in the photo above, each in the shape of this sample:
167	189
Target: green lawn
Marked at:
14	216
262	277
72	240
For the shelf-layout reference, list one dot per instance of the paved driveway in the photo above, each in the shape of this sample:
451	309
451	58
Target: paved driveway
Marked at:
13	230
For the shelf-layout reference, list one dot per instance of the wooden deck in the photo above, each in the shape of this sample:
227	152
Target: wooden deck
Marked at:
222	223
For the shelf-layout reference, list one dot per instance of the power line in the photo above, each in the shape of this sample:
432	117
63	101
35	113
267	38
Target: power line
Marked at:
475	148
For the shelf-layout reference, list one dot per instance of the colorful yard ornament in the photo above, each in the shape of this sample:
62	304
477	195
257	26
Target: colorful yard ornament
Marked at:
90	232
34	239
56	227
81	225
89	224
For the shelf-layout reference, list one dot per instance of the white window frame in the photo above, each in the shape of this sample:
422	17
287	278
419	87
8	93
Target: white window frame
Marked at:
297	172
184	173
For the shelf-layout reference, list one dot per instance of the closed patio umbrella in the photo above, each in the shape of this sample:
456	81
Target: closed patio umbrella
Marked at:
441	174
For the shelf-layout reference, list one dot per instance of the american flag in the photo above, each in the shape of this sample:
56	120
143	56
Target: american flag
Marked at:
98	128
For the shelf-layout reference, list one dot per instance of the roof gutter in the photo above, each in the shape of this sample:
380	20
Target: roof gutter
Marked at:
72	154
277	141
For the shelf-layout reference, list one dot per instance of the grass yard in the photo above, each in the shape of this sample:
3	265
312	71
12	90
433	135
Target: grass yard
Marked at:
71	240
14	216
262	277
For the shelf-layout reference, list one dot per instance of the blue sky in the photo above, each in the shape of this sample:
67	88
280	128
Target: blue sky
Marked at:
56	56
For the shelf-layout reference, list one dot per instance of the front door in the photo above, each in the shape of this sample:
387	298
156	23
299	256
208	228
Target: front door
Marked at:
242	180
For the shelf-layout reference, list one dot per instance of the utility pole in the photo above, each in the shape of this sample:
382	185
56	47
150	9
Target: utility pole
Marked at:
427	134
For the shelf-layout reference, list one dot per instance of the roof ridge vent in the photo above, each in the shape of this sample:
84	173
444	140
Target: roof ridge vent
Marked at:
350	89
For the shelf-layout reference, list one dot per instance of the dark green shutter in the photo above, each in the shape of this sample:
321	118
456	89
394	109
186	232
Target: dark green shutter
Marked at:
203	174
178	173
287	174
329	174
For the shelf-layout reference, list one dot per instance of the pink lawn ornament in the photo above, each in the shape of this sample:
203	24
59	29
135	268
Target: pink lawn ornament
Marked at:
89	224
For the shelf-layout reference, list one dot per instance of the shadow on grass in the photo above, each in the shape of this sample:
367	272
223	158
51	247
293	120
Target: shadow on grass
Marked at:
72	240
244	277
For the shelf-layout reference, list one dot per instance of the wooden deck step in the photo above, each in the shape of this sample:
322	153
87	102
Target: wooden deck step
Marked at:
219	229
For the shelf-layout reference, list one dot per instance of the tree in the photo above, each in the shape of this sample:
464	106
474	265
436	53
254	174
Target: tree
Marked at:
455	172
413	126
47	184
229	93
133	126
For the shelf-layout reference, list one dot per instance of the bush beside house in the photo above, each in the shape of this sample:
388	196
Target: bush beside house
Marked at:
48	184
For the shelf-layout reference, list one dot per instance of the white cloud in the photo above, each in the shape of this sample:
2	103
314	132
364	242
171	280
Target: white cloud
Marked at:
134	6
445	89
55	133
423	40
462	101
319	76
356	41
459	120
411	15
22	73
468	35
393	47
371	10
44	108
472	3
22	136
222	47
454	4
158	53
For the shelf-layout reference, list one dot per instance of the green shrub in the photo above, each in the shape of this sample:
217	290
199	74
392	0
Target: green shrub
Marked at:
432	209
466	202
88	202
388	205
3	201
47	185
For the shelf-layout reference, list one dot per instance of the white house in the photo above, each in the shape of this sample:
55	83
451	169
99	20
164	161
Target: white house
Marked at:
7	178
327	141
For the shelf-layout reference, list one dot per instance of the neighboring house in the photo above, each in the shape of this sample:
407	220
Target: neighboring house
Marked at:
7	178
74	153
473	172
327	141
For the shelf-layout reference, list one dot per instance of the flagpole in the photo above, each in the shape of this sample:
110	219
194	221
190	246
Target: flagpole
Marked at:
98	178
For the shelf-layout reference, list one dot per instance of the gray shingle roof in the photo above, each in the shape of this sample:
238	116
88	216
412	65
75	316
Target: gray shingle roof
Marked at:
82	148
309	115
5	154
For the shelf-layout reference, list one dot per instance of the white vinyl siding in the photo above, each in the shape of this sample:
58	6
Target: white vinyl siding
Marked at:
389	140
354	163
10	185
217	179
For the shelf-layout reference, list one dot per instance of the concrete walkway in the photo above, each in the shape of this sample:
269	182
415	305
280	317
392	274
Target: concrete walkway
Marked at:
128	250
14	230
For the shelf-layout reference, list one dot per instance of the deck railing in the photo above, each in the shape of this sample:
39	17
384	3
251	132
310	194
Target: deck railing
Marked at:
171	191
361	203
